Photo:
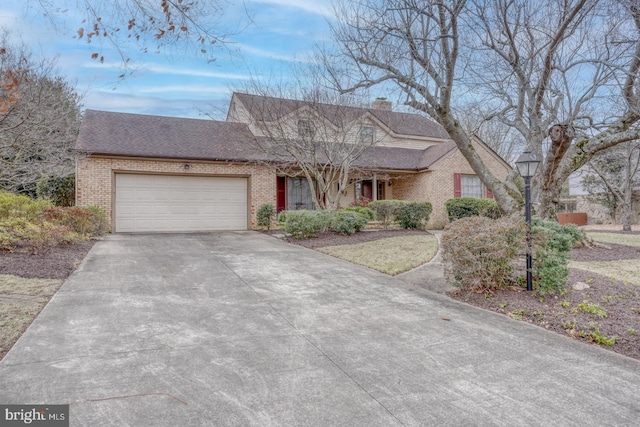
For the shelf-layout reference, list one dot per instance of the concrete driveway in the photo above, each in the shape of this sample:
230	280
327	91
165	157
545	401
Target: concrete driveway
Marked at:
238	328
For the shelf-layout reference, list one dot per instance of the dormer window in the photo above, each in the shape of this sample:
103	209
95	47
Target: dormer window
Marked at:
305	128
366	134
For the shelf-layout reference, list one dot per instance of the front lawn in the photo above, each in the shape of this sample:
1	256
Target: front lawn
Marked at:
391	255
616	238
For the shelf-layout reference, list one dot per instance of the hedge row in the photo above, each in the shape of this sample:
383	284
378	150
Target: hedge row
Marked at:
306	223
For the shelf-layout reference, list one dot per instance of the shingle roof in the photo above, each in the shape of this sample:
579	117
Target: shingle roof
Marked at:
137	135
264	108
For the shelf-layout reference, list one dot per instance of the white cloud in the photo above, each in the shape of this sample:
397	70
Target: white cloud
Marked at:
317	7
251	50
127	103
200	89
159	69
195	73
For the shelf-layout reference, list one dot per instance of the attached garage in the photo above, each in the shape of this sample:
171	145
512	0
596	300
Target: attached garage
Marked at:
183	203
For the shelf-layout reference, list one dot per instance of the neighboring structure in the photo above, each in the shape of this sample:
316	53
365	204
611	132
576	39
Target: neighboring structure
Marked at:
596	213
155	173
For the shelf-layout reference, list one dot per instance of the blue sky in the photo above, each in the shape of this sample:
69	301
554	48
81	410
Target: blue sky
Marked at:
275	34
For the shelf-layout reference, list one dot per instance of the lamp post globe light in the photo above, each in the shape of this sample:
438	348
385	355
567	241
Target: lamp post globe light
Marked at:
527	165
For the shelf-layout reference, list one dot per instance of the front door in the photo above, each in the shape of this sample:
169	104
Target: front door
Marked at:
367	189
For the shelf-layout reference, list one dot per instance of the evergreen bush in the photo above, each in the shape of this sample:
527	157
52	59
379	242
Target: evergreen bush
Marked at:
60	190
413	215
386	210
368	213
305	224
552	244
348	222
463	207
265	215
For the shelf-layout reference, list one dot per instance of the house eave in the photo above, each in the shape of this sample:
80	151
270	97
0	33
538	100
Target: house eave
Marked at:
169	159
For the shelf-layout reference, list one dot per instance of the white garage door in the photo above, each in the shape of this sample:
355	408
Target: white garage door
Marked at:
147	203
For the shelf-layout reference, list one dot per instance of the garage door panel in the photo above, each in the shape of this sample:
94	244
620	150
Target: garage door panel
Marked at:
147	203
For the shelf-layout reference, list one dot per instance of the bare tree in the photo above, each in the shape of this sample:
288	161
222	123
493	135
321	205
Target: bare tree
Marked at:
613	179
535	64
150	24
39	120
317	136
502	138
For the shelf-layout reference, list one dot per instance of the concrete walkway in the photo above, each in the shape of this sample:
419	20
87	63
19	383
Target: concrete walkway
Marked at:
240	329
429	276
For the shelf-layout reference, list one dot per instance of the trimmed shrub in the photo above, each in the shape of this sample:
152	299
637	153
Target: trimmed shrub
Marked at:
413	214
369	214
463	207
552	244
386	210
265	215
282	217
478	253
305	224
60	190
348	222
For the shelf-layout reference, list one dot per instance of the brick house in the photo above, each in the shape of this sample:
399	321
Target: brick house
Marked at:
153	173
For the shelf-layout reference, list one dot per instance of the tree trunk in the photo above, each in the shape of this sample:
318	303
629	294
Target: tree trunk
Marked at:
548	201
627	209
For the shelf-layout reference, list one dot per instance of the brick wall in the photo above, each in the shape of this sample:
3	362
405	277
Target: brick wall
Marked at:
436	184
94	178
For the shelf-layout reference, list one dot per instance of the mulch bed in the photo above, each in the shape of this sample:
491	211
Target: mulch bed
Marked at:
58	263
559	313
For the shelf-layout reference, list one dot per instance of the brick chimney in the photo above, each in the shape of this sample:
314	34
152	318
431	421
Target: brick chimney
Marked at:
381	104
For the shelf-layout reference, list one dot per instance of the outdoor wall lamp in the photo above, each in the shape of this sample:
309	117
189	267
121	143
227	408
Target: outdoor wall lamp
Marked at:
527	165
186	166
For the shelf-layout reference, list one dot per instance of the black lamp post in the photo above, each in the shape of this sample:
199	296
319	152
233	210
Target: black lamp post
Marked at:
527	166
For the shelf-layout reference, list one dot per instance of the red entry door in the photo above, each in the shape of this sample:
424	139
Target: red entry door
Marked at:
367	189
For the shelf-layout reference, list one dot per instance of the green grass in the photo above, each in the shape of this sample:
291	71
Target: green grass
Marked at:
393	255
621	239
